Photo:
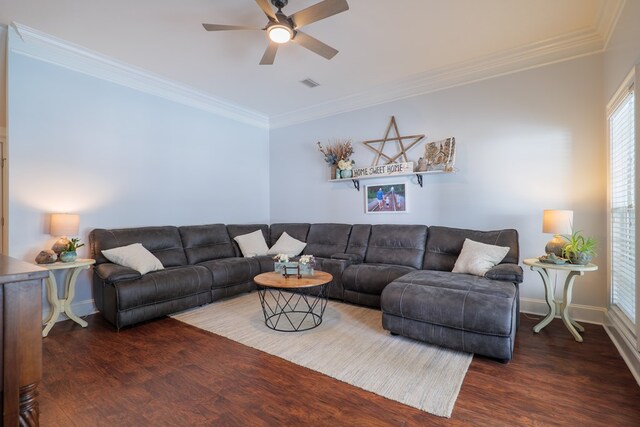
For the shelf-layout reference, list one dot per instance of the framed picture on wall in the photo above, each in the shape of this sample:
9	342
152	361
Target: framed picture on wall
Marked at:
388	198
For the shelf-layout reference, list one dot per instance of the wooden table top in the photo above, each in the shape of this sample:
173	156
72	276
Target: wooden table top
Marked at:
277	280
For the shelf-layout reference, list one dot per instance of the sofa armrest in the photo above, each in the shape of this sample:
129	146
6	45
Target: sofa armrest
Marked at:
112	273
352	258
506	272
335	267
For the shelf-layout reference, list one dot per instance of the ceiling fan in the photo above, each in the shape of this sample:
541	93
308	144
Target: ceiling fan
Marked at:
282	28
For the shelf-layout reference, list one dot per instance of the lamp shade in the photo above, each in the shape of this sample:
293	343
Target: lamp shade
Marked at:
557	221
63	224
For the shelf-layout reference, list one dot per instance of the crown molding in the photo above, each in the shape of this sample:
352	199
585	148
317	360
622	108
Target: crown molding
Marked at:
33	43
570	46
610	12
36	44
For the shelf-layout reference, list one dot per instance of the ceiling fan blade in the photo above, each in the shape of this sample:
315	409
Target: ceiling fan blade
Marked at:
266	8
314	45
217	27
318	11
269	54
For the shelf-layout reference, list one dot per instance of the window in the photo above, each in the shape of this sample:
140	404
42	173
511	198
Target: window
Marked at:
622	209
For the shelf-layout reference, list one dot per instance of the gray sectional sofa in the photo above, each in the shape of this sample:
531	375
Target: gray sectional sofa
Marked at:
403	269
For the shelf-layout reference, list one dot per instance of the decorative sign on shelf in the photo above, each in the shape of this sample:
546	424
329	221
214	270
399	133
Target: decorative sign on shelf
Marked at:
439	156
383	170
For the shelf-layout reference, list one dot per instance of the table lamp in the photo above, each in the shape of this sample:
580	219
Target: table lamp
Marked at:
556	222
63	225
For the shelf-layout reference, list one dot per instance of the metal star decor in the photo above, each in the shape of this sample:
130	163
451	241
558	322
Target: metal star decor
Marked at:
403	149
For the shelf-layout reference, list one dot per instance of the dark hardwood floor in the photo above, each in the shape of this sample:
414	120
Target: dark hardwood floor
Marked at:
167	373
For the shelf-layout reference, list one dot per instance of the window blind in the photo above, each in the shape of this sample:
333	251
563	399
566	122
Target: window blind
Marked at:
622	213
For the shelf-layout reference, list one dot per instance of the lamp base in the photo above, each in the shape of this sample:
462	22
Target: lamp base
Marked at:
555	245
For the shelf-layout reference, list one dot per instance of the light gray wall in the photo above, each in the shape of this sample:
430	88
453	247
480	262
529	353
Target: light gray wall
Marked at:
3	76
623	51
525	142
121	158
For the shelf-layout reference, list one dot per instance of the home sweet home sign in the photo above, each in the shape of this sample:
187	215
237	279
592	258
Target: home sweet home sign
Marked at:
383	170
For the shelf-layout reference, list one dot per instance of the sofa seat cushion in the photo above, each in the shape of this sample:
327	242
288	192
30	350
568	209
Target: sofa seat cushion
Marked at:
162	285
372	278
232	271
459	301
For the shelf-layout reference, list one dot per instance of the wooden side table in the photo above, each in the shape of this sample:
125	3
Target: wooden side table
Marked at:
574	270
63	305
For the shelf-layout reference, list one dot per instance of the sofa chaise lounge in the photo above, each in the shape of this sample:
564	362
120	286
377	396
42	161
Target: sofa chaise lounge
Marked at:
403	269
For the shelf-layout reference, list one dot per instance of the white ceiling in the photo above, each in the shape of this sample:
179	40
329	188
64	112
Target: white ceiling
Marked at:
388	48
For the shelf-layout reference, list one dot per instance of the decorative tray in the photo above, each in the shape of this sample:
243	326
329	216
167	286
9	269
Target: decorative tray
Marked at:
552	260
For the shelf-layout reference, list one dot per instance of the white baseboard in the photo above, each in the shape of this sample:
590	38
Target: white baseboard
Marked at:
581	313
80	308
624	343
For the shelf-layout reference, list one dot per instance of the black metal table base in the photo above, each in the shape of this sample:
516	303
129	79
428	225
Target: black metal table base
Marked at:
293	310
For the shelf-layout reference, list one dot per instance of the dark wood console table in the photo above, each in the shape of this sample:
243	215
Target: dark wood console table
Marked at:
21	338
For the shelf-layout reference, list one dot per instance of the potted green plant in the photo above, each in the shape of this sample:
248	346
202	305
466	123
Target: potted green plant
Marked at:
579	249
70	254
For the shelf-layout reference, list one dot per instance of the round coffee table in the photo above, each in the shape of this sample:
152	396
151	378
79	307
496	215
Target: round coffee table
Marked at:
292	304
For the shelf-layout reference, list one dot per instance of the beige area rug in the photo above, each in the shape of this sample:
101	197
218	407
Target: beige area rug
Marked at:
350	345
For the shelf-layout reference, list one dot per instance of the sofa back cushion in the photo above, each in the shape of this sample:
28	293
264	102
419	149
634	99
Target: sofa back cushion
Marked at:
236	230
296	230
359	239
325	240
206	242
163	242
444	245
397	244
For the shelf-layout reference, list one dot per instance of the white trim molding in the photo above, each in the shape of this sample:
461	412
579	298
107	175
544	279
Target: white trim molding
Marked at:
557	49
591	40
624	341
581	313
573	45
38	45
610	12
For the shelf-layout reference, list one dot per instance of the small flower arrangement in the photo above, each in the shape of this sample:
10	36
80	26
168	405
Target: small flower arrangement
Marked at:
345	164
306	259
340	149
281	258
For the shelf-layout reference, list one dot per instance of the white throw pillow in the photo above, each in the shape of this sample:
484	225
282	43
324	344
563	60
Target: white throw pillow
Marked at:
134	256
478	258
287	245
252	244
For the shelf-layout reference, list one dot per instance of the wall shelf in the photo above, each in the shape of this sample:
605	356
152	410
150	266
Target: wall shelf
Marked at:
418	175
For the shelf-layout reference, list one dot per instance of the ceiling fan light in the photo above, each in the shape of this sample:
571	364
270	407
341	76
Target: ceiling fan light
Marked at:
280	33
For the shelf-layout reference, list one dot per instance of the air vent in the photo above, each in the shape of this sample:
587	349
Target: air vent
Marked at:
309	83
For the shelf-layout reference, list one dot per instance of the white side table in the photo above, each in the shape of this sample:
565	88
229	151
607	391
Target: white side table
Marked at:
63	305
574	270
